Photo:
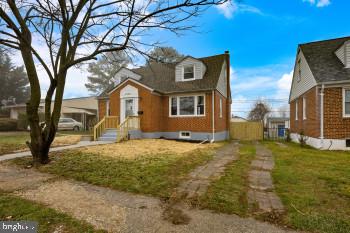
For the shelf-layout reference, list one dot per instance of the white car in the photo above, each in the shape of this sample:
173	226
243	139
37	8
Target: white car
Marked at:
68	124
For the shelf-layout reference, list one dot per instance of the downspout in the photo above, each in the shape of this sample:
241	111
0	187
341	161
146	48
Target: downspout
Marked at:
213	116
322	116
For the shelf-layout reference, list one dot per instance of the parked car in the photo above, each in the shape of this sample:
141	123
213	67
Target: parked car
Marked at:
68	124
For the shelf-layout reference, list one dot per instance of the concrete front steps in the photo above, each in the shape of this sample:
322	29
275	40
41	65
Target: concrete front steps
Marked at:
110	135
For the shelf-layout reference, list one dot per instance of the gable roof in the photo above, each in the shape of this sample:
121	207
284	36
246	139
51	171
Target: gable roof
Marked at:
323	62
161	76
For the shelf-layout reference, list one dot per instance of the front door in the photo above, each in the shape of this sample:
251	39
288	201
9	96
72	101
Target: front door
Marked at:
128	108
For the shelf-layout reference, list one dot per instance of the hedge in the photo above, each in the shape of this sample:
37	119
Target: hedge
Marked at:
7	124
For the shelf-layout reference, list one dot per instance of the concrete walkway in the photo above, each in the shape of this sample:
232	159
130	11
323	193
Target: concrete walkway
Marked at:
60	148
261	188
116	211
202	176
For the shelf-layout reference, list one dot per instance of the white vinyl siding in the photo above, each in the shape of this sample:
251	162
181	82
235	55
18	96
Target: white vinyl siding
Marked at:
347	54
199	69
123	74
341	54
304	108
222	83
187	106
307	80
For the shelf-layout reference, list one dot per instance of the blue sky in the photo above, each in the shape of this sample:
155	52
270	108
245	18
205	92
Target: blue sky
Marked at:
262	37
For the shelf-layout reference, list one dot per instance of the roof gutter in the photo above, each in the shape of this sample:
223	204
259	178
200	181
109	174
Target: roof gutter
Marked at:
322	115
334	82
213	115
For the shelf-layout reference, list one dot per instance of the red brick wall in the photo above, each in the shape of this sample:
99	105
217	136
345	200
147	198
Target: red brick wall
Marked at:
101	108
155	117
311	125
220	123
195	124
149	103
335	126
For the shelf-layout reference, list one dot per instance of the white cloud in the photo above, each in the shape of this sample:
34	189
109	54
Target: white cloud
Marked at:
255	83
284	85
230	8
319	3
271	83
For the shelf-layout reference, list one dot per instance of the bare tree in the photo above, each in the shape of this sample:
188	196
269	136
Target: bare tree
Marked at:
259	111
77	31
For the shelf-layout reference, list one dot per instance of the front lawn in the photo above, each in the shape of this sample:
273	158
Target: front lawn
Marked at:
15	209
16	141
228	194
314	187
135	166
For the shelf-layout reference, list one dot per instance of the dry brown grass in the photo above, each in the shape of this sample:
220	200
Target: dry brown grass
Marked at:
66	140
146	148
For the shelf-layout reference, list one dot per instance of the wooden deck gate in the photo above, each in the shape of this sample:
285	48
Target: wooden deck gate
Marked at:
247	130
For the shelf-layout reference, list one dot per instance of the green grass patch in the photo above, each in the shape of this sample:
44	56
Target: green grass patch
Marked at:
155	175
14	208
228	194
314	186
11	142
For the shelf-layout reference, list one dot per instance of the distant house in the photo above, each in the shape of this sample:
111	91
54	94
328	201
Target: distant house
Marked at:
238	119
82	109
276	127
189	100
320	94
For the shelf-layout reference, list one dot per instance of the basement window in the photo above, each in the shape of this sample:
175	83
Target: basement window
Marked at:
347	142
185	135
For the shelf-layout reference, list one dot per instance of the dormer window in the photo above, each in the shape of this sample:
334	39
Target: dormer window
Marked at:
188	72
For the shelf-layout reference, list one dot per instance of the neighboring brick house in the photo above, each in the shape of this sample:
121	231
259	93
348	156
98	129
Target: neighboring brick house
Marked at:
190	99
320	94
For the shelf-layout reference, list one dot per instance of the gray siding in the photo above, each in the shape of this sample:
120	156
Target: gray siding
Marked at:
341	54
307	78
199	69
222	83
347	54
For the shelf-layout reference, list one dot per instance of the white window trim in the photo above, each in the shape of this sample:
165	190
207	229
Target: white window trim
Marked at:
183	73
185	137
304	108
296	109
195	105
344	114
220	107
107	108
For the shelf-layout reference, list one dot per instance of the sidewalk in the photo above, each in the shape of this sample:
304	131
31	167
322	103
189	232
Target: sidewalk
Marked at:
78	145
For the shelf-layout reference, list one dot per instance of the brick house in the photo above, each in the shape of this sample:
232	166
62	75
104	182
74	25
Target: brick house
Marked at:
320	94
189	100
